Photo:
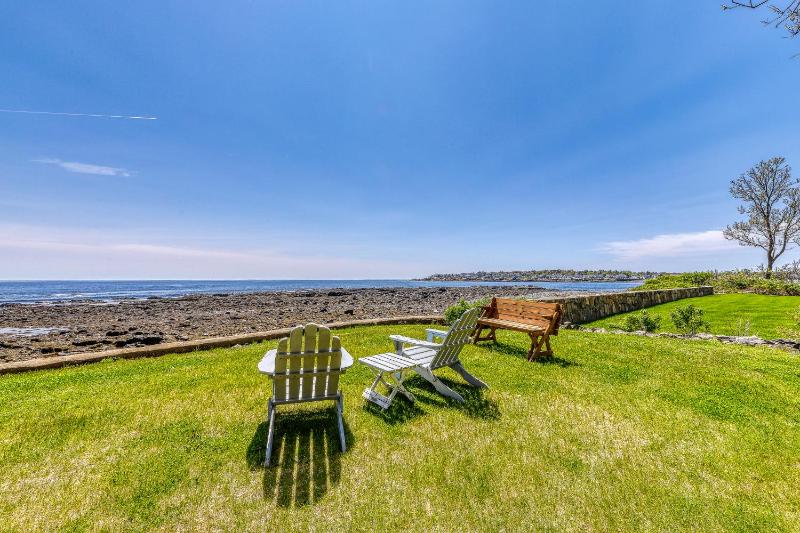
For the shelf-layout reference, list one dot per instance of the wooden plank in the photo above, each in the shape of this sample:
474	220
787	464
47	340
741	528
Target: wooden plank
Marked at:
310	338
511	305
296	340
324	341
390	361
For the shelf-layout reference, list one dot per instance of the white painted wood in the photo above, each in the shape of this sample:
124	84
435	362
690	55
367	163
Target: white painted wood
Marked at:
433	334
267	363
422	357
305	367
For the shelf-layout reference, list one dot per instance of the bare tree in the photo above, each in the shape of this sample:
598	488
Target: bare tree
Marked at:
772	204
785	13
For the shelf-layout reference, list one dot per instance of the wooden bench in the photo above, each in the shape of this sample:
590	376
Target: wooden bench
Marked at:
538	319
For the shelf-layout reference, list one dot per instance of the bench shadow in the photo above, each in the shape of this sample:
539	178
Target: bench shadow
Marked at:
515	351
475	405
306	456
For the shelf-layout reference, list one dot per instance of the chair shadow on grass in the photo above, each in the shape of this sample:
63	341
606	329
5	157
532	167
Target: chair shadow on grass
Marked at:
475	405
306	456
401	411
515	351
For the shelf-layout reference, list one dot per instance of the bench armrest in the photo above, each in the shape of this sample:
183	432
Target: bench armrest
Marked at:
399	340
433	333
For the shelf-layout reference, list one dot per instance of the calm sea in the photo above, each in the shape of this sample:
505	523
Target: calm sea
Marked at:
56	291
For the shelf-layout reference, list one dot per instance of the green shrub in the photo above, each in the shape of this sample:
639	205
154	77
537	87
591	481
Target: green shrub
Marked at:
689	319
454	312
676	281
642	322
725	282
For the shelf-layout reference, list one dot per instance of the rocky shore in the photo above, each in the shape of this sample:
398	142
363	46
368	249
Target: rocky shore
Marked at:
29	331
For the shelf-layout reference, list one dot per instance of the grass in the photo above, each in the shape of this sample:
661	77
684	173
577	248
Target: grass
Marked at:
617	433
769	316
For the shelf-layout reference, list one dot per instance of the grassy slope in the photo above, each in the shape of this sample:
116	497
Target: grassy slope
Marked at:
619	433
767	314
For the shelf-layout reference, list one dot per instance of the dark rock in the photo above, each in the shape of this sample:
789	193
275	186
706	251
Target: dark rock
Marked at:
85	342
349	311
114	333
145	340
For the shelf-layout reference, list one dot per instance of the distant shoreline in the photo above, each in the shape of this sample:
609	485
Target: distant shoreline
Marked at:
440	277
545	276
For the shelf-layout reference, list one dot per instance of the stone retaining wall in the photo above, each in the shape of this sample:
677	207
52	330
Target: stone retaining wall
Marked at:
583	309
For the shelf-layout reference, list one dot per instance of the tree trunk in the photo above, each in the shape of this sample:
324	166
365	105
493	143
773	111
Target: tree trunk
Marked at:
770	262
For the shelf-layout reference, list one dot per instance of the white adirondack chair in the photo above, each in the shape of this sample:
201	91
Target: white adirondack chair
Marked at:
422	357
307	366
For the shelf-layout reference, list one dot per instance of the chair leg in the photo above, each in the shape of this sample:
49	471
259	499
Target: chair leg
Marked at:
440	387
270	433
372	395
469	378
340	412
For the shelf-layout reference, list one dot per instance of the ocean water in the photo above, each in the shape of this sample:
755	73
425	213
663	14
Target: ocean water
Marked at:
63	291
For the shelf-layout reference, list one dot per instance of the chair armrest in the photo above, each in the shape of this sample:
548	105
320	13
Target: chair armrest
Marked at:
433	333
401	339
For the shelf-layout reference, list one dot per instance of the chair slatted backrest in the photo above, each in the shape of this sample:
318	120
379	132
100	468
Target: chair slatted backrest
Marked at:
542	314
457	337
307	365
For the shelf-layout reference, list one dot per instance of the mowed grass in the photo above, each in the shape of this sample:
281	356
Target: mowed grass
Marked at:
769	316
617	433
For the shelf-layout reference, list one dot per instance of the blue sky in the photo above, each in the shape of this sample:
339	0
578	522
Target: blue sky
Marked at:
381	139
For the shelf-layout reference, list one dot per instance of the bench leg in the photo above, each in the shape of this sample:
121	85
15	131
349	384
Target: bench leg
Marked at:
476	337
440	387
536	347
549	351
469	378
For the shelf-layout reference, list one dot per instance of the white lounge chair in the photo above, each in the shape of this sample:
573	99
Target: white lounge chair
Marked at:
305	368
422	357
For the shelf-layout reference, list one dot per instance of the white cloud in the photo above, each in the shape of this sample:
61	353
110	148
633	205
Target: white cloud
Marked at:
86	168
64	114
30	252
670	245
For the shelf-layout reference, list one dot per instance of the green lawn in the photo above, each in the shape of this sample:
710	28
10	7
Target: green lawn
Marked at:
727	314
617	433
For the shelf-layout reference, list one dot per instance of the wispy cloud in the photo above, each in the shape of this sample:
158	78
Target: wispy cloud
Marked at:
86	168
669	245
64	114
29	252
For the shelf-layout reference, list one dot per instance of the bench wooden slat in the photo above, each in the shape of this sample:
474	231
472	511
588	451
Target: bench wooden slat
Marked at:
537	319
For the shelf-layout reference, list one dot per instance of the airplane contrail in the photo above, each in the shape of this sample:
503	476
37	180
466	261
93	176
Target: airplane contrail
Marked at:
24	111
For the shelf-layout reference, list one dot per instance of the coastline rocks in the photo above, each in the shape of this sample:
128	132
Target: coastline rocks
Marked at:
86	326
